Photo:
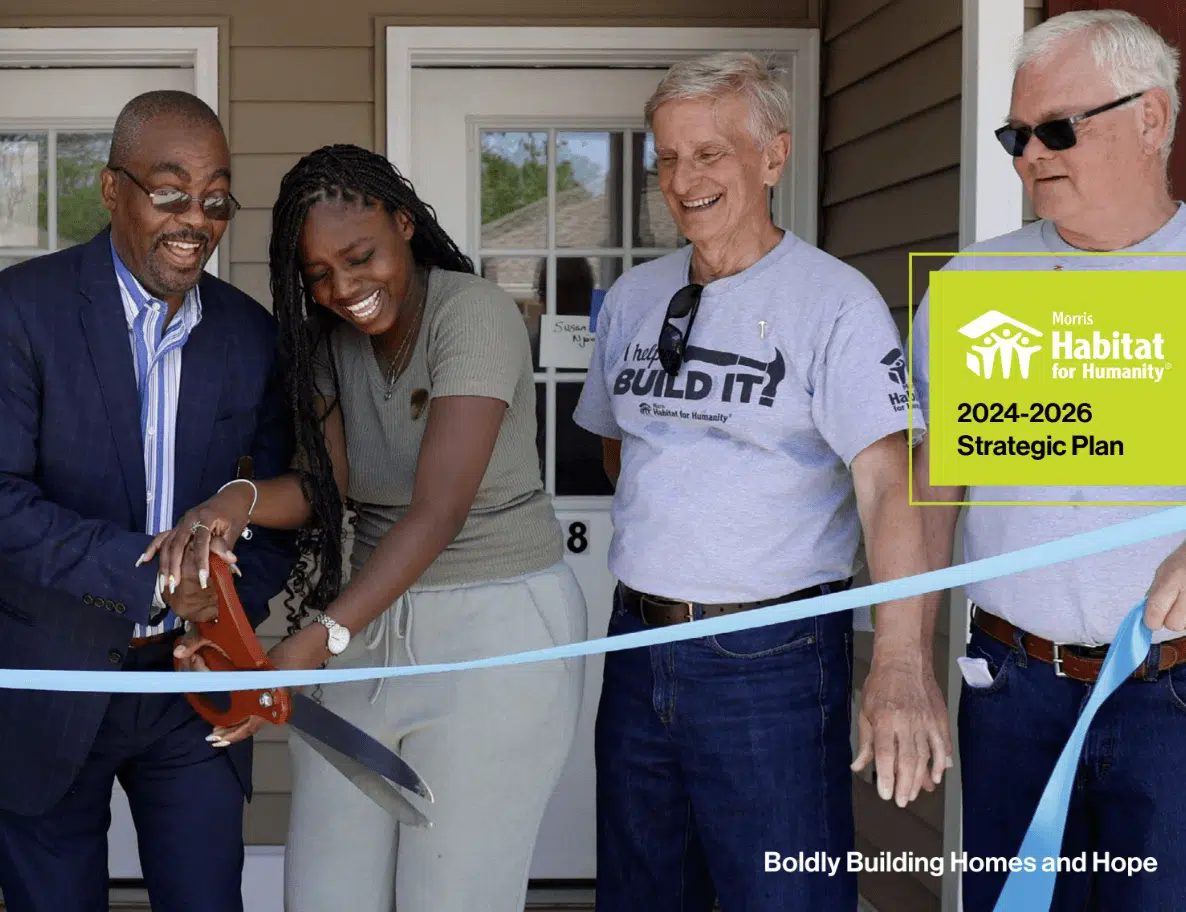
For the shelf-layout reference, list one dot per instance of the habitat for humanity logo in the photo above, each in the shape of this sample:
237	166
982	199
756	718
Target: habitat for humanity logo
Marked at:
1002	337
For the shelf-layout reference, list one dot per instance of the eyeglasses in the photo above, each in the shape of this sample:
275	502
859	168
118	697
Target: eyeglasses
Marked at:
1055	135
673	340
177	202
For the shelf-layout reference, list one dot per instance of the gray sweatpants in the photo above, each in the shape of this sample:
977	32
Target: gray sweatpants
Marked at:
491	743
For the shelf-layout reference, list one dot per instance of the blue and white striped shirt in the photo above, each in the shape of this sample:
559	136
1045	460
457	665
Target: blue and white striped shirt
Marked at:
157	359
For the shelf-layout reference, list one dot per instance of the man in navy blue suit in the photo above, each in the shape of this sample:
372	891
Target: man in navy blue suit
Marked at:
131	383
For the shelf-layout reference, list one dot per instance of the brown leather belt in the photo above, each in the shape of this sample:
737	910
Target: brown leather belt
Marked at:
1080	663
657	611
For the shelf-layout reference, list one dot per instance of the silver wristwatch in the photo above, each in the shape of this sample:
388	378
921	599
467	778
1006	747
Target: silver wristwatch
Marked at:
339	636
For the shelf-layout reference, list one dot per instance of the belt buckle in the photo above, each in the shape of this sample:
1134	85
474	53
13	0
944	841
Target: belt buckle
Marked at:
690	606
1057	648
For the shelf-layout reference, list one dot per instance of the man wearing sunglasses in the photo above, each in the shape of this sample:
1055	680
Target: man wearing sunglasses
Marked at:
131	383
751	393
1090	124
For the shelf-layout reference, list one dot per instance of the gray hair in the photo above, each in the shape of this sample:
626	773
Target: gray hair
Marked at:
725	73
1127	48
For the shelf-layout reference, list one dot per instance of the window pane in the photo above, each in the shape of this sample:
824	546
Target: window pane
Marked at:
81	156
577	278
579	469
514	190
23	188
653	224
524	279
588	189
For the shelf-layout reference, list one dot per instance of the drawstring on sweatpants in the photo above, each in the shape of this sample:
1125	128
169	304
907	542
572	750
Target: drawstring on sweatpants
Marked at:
399	614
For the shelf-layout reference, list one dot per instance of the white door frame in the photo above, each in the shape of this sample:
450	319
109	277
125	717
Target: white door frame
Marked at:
991	204
195	46
796	50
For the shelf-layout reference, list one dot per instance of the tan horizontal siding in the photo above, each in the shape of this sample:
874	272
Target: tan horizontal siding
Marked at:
298	127
266	820
253	228
887	36
273	768
302	74
904	214
891	892
253	279
926	78
911	148
845	15
257	177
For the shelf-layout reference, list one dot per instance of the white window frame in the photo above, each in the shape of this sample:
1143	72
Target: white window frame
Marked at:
195	46
991	204
796	50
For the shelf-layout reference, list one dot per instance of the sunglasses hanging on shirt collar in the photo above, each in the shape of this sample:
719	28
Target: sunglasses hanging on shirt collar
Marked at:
1056	135
672	339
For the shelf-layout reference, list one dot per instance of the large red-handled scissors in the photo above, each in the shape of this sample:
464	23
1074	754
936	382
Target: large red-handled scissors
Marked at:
367	762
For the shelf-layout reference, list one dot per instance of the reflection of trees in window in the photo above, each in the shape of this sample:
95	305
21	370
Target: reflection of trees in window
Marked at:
81	156
509	185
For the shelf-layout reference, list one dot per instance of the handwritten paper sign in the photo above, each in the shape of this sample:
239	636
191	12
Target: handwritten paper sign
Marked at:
565	341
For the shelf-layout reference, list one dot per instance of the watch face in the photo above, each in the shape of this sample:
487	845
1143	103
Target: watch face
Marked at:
338	638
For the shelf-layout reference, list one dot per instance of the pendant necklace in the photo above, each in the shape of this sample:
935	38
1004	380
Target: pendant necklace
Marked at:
412	333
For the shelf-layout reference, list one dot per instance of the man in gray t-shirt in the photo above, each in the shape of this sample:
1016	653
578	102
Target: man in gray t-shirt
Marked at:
747	464
1038	638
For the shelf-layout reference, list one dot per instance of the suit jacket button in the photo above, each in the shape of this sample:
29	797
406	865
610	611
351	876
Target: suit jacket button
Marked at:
114	657
108	604
87	599
120	608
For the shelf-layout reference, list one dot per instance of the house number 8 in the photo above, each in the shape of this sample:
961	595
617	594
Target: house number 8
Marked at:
577	542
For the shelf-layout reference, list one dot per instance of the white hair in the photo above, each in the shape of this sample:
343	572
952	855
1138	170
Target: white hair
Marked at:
1134	56
725	73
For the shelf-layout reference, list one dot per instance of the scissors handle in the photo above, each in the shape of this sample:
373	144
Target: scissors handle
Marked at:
236	648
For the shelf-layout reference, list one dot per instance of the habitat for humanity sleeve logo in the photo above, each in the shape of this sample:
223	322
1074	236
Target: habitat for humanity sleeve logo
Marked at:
896	362
999	338
711	378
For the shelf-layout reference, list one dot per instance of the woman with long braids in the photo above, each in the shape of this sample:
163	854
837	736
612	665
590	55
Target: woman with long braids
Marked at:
411	386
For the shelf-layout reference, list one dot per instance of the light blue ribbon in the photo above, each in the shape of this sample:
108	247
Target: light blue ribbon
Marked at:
1032	890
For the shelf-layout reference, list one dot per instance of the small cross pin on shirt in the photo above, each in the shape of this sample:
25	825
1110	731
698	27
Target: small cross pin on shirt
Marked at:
762	328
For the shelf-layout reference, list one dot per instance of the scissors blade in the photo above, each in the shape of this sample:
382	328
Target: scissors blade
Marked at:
383	793
315	721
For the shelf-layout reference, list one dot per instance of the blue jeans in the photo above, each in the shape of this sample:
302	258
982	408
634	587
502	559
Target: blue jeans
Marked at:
1129	797
712	753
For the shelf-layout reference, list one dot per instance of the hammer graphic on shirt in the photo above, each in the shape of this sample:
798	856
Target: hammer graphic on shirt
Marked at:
774	370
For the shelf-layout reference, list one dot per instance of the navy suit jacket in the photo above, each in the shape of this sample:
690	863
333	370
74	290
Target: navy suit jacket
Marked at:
72	489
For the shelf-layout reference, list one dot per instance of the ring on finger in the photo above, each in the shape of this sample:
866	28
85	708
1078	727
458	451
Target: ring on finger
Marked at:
198	525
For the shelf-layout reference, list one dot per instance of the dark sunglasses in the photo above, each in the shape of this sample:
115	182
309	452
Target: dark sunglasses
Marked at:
177	202
673	340
1055	135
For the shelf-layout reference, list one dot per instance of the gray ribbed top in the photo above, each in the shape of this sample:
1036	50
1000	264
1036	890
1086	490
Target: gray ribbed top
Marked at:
472	342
